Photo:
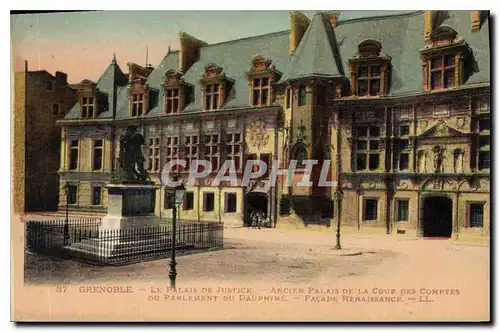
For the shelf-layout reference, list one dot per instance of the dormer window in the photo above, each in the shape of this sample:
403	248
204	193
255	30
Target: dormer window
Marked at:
261	90
88	99
369	70
212	96
261	77
215	87
172	101
443	71
137	104
87	107
176	91
368	81
138	89
443	59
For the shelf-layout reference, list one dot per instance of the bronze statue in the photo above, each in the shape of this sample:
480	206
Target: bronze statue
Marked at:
131	160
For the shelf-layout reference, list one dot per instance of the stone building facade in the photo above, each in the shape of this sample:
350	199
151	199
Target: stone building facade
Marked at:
398	106
42	99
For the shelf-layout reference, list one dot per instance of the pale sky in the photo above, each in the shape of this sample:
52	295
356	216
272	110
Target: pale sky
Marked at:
82	43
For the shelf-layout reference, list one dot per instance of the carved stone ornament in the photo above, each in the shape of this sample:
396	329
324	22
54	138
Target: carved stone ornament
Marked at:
441	128
302	137
438	184
423	124
438	159
460	122
257	133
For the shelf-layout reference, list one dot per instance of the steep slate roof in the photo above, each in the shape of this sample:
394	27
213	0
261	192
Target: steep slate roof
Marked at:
479	42
111	83
401	38
316	53
235	58
324	51
170	61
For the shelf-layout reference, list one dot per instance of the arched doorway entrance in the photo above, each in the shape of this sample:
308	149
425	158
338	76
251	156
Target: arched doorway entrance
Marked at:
254	201
437	216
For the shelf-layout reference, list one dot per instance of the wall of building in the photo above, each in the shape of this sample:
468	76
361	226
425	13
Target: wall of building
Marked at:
43	91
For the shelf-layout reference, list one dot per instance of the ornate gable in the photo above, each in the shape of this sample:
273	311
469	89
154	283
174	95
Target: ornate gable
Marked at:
262	66
441	129
173	79
214	74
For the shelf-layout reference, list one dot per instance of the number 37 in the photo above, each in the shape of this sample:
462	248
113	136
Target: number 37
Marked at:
61	289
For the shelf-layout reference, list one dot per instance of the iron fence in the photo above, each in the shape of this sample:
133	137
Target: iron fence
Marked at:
84	240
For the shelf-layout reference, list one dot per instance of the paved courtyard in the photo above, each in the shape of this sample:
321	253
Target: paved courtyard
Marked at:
455	277
291	256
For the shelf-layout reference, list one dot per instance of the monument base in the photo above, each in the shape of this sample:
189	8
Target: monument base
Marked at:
130	208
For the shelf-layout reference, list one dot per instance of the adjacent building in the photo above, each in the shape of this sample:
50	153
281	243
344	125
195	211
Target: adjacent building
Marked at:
399	105
42	99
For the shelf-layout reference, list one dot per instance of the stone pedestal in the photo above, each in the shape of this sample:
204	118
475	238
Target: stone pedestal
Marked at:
129	206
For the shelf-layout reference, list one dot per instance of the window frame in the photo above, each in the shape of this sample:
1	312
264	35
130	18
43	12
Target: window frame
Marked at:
189	155
212	150
97	148
301	95
368	150
172	151
365	209
484	149
259	89
185	205
206	194
398	201
442	70
93	195
49	85
469	213
56	106
71	148
170	101
211	93
76	187
139	101
369	78
87	105
231	153
226	202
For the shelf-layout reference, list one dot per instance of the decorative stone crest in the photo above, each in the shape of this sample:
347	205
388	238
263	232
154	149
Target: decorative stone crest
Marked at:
441	128
257	133
402	184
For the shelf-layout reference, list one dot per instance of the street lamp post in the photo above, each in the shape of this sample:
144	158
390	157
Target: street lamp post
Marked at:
338	197
177	197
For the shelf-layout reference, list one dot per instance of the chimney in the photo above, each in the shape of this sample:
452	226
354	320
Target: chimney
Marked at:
476	20
428	24
190	51
61	78
298	26
333	17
